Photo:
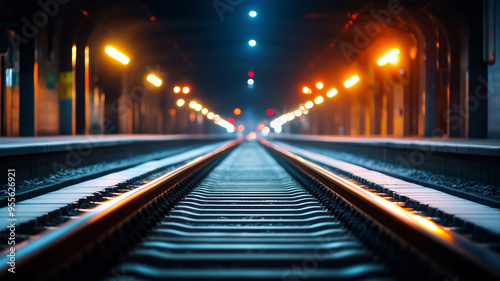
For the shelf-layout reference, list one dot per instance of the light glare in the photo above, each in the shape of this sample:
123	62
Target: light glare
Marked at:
351	81
114	53
391	58
332	93
253	14
180	102
319	100
252	43
154	80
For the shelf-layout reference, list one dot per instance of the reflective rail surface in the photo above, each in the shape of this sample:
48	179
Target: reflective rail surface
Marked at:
249	219
40	257
442	247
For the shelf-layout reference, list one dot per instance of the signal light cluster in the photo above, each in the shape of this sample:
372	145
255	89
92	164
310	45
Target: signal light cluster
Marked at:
193	105
304	108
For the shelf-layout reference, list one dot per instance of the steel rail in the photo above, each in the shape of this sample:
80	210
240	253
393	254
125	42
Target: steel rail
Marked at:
453	253
41	256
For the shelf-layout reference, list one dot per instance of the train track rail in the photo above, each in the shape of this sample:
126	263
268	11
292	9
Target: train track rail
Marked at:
251	212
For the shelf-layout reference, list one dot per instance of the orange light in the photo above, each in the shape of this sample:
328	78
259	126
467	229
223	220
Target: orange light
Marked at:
154	80
390	57
172	111
192	116
430	225
241	128
319	85
351	81
114	53
251	136
186	90
177	89
73	55
237	111
332	93
261	127
306	90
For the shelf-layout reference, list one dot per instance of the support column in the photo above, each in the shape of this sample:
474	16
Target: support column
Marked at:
431	77
27	89
80	89
478	71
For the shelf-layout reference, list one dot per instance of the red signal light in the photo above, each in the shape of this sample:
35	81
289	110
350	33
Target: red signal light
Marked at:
270	112
251	74
231	120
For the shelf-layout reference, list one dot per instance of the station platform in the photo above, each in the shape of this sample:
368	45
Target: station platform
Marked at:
490	147
39	157
10	146
471	159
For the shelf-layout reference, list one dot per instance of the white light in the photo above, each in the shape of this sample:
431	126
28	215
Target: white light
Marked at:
298	112
154	80
309	104
210	115
180	102
253	14
252	43
198	107
204	111
193	104
351	81
290	116
266	131
319	100
250	82
278	130
331	93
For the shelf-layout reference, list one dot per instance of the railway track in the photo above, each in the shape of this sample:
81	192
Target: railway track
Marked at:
252	212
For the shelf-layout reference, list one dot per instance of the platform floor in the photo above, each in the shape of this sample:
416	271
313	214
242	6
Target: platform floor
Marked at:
46	144
489	147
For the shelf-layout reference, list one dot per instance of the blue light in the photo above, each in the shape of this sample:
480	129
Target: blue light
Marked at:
8	77
253	14
252	43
